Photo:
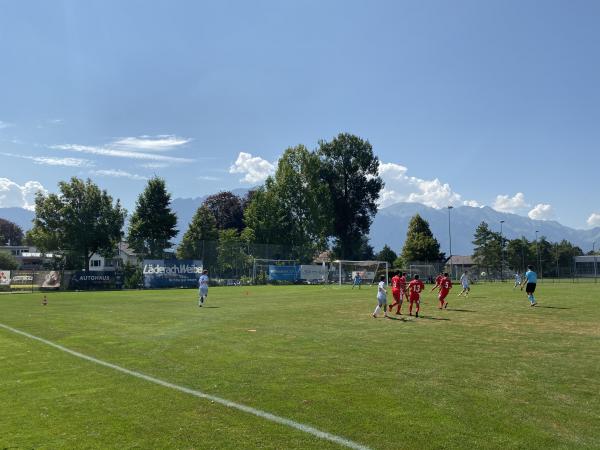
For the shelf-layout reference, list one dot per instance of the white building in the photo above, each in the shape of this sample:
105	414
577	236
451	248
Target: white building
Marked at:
124	255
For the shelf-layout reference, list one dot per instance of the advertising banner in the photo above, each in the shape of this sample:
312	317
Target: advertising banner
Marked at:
48	280
284	273
21	279
313	273
4	277
91	280
171	272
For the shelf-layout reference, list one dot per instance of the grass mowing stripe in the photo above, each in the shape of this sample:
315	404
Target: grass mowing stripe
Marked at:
247	409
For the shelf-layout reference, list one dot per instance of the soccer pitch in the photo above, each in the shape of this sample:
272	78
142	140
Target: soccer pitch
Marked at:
489	372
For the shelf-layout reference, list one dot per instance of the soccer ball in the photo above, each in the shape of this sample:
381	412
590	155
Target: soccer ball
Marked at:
483	274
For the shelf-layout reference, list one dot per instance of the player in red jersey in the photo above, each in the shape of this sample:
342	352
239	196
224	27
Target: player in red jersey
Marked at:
397	292
445	286
415	287
438	280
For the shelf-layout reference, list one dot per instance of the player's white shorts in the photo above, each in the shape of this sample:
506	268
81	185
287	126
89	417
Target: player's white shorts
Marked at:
465	285
381	300
203	291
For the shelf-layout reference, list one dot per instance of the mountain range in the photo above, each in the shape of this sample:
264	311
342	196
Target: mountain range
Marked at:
390	224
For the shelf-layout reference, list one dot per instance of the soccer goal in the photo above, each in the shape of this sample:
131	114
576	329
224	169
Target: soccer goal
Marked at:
425	271
368	271
266	270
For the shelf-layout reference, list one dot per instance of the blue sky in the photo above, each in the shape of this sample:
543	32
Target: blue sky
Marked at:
486	103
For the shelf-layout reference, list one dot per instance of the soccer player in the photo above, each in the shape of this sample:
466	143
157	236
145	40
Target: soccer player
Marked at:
464	282
397	292
357	280
445	286
415	287
529	282
517	279
203	287
438	280
381	297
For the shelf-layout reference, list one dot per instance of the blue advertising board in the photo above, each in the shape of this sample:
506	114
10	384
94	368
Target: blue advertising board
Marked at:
284	273
171	272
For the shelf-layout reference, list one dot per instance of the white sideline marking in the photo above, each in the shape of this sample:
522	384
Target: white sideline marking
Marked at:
247	409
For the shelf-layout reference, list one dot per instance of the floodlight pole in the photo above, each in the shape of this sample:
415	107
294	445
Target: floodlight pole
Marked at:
340	272
595	262
450	239
501	253
537	249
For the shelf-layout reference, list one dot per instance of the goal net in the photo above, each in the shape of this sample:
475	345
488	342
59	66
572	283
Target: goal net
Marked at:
425	271
361	272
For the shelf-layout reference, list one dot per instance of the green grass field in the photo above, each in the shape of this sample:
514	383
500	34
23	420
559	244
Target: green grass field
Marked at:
489	372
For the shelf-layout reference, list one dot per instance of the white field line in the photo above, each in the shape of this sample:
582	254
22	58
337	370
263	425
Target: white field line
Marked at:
247	409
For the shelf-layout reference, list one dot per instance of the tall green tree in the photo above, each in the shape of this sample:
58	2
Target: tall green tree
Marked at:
10	232
80	221
387	254
293	206
350	170
153	223
227	209
233	259
199	241
8	261
518	254
487	250
420	244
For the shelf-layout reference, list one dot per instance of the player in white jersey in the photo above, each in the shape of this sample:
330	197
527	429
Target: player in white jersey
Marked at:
465	283
381	297
203	287
517	280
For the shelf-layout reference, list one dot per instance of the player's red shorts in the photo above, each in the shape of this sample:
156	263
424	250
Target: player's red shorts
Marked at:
414	299
443	295
396	294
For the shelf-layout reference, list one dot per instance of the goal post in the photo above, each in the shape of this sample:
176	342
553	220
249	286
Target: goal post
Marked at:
368	270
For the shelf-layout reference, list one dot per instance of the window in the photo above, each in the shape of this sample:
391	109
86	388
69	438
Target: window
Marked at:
109	263
95	263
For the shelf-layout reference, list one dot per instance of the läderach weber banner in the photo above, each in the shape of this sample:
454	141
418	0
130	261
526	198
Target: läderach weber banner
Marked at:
171	272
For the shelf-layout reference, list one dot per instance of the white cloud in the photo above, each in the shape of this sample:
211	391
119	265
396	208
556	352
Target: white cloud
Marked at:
399	187
541	211
5	125
52	161
472	203
207	178
254	168
594	220
154	165
103	151
507	204
118	173
158	143
22	196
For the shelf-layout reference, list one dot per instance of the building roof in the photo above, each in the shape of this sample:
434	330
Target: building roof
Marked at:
458	260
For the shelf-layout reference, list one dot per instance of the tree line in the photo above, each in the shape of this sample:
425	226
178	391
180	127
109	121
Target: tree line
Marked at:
316	200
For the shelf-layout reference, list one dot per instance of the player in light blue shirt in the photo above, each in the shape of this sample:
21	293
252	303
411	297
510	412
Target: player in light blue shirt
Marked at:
529	282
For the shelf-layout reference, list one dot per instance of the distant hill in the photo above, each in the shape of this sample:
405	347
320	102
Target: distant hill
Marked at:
20	216
390	224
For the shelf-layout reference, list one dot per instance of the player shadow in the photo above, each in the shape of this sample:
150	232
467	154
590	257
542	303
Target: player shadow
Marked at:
461	310
402	319
552	307
217	307
432	318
